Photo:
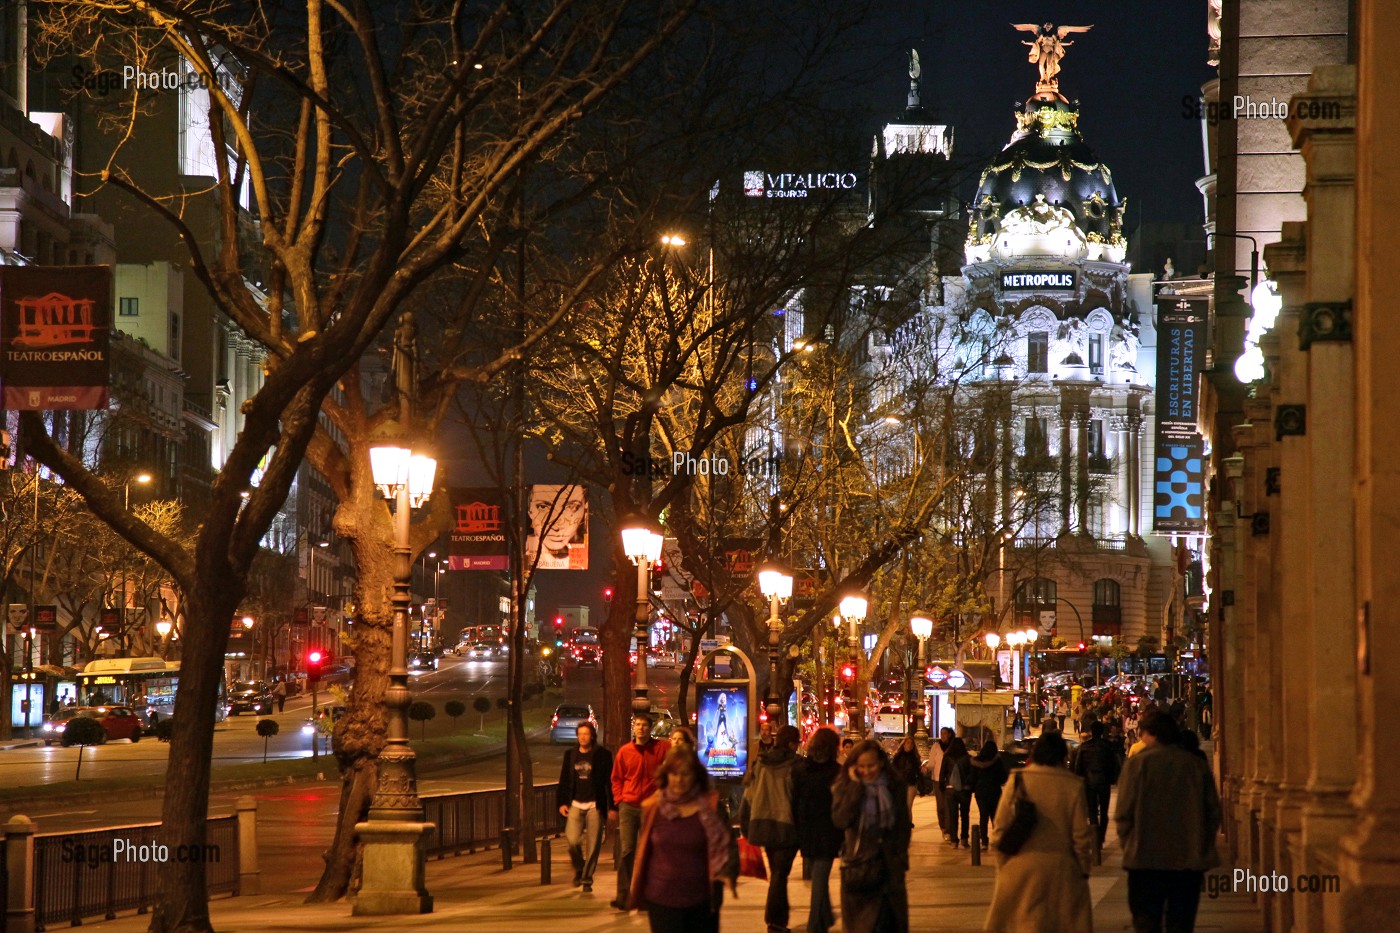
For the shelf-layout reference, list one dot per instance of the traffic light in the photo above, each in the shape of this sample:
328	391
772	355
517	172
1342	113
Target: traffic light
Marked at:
315	661
1083	648
848	672
607	594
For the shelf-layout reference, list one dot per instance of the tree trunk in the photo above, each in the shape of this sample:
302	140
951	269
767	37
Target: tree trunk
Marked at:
183	906
616	632
359	734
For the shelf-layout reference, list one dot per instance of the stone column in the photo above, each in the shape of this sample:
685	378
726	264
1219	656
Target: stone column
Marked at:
1064	419
249	877
1324	335
1227	660
19	875
1369	862
1121	483
1081	466
1286	490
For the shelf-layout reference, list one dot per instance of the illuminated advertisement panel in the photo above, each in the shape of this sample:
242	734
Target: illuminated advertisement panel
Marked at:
722	729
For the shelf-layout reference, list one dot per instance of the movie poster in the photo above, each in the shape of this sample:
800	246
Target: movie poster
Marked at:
722	729
558	528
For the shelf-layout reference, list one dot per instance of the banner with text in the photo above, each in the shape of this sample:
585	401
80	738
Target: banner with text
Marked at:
1181	348
55	328
478	537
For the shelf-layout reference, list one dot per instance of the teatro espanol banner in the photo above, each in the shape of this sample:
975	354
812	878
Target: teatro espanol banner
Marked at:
55	330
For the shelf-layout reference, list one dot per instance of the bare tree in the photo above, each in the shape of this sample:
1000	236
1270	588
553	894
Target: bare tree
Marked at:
381	146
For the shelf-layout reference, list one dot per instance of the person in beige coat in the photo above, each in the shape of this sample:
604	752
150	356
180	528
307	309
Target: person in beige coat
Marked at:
1044	888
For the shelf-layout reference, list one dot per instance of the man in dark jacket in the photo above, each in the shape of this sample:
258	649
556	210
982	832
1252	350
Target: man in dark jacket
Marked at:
766	819
585	797
1168	814
1097	763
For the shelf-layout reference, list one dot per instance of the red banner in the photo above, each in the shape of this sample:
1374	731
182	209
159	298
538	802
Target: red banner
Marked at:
55	329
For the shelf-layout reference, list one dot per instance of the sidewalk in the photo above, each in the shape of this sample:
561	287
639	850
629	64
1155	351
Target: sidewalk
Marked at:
946	893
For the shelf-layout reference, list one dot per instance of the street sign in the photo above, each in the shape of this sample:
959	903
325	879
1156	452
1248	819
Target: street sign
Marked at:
938	675
957	679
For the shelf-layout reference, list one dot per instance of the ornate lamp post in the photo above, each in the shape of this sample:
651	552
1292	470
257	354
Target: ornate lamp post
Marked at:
395	835
776	585
922	627
1014	641
163	628
1032	692
853	609
641	542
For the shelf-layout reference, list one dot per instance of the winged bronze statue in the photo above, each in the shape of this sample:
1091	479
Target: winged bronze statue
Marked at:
1047	48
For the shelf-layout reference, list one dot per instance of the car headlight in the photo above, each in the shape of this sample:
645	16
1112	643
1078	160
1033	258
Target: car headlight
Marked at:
308	729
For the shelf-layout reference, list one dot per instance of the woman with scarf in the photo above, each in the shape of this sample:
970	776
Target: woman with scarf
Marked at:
868	802
685	852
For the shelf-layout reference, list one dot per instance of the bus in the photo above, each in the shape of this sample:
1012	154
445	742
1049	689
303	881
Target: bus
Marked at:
146	685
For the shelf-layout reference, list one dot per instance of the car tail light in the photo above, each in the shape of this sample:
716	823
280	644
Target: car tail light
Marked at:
555	721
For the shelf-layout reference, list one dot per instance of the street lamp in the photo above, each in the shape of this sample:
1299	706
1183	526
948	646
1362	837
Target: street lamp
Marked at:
776	584
1014	641
395	835
921	624
641	542
163	628
853	608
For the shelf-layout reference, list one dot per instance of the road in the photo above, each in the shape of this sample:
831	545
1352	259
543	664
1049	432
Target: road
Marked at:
296	823
236	740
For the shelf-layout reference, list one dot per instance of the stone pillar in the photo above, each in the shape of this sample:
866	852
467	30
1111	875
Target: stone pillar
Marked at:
1121	483
1369	862
1227	659
1064	419
249	877
1081	465
1326	136
19	870
1286	489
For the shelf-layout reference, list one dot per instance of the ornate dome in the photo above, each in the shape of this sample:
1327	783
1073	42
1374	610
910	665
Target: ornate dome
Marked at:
1045	194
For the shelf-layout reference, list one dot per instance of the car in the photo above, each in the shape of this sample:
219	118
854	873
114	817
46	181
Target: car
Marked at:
586	656
253	696
659	657
890	720
323	722
422	661
1019	753
480	652
118	722
563	728
664	727
503	649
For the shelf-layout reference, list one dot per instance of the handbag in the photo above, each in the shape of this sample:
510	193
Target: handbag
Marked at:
865	871
751	860
924	783
1023	820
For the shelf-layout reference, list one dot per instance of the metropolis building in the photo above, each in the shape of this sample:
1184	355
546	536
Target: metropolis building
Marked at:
1050	335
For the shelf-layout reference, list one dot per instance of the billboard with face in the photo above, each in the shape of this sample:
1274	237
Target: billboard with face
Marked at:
722	729
558	528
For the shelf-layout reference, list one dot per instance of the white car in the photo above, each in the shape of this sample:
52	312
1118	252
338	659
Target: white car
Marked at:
890	720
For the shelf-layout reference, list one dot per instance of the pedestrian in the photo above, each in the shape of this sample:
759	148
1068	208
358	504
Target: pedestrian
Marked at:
585	798
685	853
279	693
934	767
680	735
905	764
1167	815
1096	761
766	819
847	744
1018	727
818	839
1044	886
989	773
867	802
633	782
956	778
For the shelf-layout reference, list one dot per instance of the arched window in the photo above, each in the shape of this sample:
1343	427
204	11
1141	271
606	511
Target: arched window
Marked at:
1036	593
1107	593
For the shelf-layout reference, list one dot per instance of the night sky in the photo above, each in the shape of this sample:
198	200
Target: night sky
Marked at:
1129	74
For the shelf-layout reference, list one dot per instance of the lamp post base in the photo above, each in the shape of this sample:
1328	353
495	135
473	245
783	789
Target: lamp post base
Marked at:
392	878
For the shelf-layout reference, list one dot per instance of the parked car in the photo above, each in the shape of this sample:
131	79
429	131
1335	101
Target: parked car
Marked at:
480	652
563	728
118	722
252	696
422	661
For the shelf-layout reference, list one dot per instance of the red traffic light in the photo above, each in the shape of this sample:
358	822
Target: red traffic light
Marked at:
608	592
1082	647
558	621
848	673
314	658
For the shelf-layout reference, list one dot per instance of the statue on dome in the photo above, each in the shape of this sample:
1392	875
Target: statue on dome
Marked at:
1037	218
1047	48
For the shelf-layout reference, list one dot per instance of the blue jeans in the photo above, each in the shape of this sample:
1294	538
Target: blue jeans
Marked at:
820	917
629	823
584	834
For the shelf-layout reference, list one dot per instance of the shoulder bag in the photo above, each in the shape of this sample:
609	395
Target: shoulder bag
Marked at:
864	872
1023	820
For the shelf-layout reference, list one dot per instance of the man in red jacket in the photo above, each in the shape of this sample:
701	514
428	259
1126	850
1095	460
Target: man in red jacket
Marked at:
633	780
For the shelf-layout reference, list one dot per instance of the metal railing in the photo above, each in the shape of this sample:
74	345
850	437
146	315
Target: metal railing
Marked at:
474	820
99	872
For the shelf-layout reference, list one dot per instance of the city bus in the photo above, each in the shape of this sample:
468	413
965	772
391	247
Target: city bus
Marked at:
146	685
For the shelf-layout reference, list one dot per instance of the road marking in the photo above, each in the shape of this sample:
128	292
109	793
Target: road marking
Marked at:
39	816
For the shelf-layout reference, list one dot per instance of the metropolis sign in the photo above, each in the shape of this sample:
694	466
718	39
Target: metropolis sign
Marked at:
1053	281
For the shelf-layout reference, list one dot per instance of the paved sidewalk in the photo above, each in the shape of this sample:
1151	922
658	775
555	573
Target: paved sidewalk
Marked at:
947	894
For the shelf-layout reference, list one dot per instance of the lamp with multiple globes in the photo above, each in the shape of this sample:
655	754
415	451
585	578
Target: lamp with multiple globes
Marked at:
775	583
394	835
642	542
921	624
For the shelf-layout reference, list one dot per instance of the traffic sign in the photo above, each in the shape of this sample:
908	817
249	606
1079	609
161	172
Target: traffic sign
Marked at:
937	675
957	679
